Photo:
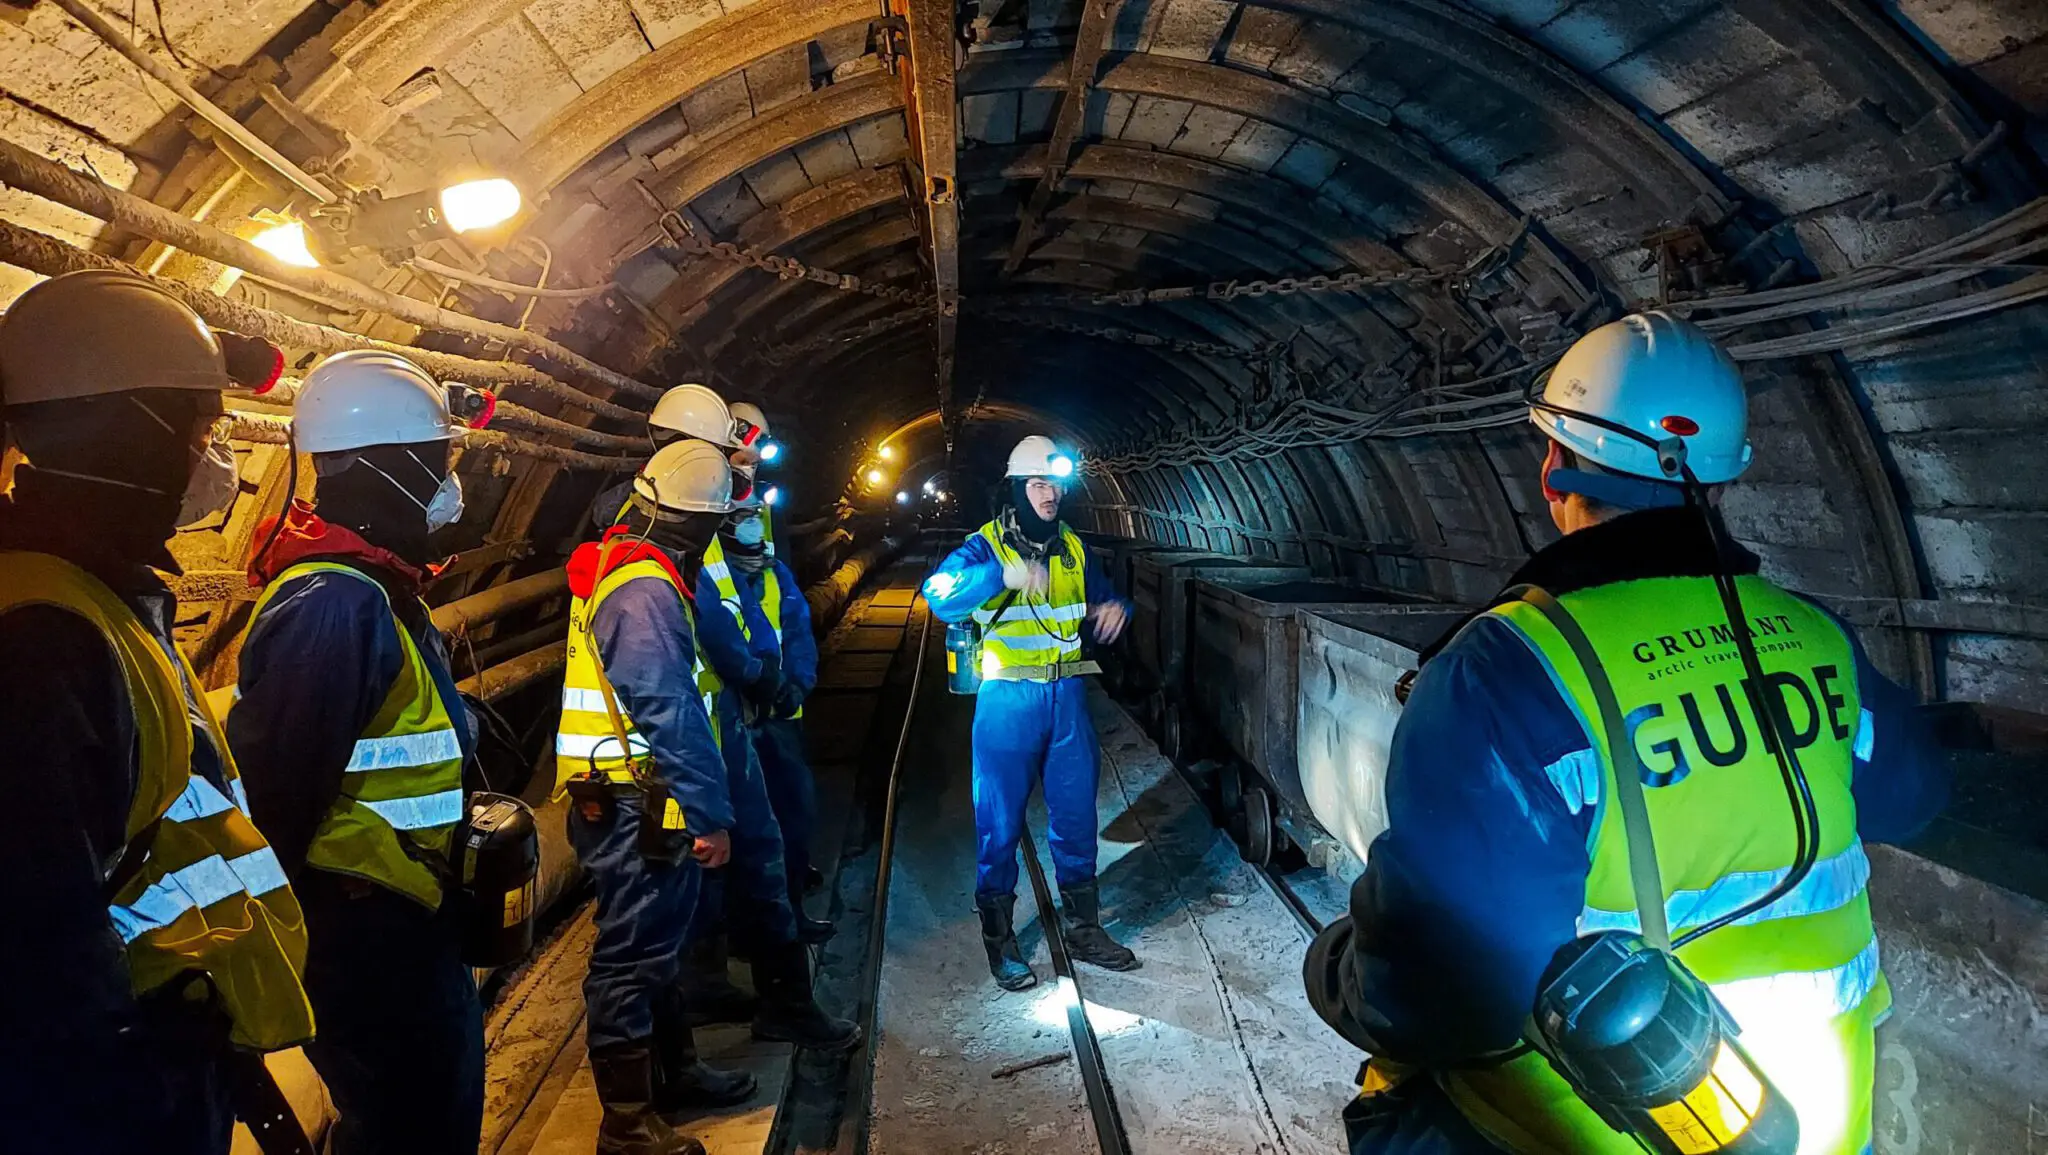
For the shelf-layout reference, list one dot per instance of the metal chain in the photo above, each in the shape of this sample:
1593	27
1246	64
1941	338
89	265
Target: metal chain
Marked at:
1126	336
684	236
783	354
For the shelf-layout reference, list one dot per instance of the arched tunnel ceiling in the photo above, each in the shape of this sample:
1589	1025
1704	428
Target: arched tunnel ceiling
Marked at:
1552	149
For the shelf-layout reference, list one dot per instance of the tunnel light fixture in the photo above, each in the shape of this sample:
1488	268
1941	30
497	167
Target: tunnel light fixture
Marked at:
287	242
886	453
903	497
480	204
874	477
930	486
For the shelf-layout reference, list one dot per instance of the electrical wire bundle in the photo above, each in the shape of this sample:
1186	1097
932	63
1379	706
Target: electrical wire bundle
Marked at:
1875	303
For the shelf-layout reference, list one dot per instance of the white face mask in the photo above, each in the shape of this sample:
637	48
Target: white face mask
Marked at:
750	531
445	507
213	487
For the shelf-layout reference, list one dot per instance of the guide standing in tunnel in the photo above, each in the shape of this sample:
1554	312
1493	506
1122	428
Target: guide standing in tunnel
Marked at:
639	758
1027	580
355	738
156	945
1503	846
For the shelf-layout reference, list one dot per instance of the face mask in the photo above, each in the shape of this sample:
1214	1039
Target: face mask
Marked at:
213	487
750	531
444	508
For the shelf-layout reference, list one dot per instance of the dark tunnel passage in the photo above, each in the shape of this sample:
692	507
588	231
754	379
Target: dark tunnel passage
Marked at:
1281	274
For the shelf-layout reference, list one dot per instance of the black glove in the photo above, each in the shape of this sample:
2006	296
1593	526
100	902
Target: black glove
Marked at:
789	700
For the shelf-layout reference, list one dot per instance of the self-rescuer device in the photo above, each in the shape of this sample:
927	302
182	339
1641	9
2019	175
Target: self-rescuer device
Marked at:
963	657
496	857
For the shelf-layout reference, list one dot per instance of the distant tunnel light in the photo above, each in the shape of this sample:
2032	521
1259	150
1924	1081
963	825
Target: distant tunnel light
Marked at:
874	477
931	486
903	497
886	453
479	204
287	242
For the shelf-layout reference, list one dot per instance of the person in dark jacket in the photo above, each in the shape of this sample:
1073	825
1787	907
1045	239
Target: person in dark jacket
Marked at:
354	738
1502	847
764	907
124	1023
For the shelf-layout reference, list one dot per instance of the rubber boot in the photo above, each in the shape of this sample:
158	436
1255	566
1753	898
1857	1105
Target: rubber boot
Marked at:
624	1073
1081	908
814	880
709	995
789	1009
681	1083
813	931
999	939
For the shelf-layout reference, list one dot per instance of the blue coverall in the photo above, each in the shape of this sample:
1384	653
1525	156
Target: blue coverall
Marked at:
87	1067
780	740
645	908
1481	874
762	912
1024	731
400	1029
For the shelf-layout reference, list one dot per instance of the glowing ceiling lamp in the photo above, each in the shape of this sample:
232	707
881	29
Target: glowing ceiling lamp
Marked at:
903	497
886	453
874	477
479	204
287	242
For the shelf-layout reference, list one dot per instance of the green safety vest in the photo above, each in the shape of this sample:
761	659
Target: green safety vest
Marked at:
720	572
1036	637
587	737
1800	977
401	793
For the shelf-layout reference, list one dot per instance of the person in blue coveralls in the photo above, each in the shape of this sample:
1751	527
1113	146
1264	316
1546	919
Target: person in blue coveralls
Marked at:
638	757
758	897
1026	579
1503	847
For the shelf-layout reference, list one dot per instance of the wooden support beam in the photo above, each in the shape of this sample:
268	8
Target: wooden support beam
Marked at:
1089	42
926	65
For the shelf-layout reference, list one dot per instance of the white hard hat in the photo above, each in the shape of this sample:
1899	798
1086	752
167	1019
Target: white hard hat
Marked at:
694	411
366	397
750	413
1037	456
686	477
1663	379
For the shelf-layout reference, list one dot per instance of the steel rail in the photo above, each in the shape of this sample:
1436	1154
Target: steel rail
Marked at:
1102	1107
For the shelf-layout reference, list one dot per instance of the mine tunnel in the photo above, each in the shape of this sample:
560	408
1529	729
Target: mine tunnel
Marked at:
1280	280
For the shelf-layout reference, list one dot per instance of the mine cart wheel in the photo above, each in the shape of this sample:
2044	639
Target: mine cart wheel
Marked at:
1228	795
1176	735
1152	709
1259	830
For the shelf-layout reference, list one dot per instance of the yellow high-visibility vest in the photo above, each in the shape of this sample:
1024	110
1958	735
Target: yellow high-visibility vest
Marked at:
401	793
1036	637
1800	977
211	897
587	739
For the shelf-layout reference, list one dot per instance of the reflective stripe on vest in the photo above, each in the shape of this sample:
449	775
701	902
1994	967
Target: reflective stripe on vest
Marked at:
401	790
729	595
1035	630
1801	976
210	897
586	739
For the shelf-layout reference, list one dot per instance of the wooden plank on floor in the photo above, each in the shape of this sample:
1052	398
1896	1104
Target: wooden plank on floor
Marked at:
886	616
865	639
895	596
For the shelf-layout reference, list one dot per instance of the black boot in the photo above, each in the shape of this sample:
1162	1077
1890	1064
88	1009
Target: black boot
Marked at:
813	931
814	880
681	1083
624	1073
999	939
789	1009
709	996
1081	906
